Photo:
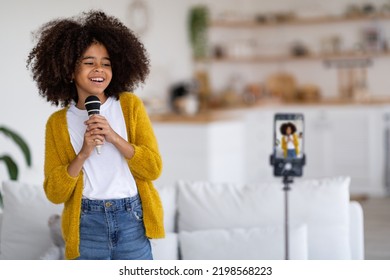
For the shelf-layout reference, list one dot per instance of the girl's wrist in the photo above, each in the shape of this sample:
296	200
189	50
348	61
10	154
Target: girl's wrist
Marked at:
123	146
116	139
82	156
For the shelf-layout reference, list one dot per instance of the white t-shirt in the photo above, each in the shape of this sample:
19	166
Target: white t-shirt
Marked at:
290	144
106	175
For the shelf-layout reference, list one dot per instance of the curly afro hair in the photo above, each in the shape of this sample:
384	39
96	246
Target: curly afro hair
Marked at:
62	42
283	128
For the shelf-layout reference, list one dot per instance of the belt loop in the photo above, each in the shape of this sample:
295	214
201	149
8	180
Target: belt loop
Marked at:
128	204
84	204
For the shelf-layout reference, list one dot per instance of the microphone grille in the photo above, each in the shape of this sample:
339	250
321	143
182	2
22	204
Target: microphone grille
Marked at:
92	104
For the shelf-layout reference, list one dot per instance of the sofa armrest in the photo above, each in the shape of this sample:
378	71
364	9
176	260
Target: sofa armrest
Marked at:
356	230
1	220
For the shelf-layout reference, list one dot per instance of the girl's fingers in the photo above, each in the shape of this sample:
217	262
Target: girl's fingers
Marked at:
96	131
95	119
97	126
90	136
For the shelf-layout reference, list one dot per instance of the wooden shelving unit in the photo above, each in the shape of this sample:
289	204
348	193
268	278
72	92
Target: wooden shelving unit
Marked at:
292	22
289	58
282	58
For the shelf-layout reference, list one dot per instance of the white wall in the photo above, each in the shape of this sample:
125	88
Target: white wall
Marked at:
166	40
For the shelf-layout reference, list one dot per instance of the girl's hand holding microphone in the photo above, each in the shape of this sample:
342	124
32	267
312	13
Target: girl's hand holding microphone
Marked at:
98	131
92	138
98	125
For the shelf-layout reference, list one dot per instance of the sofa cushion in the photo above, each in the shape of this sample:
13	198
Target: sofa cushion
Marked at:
168	199
259	243
321	204
324	206
25	232
166	248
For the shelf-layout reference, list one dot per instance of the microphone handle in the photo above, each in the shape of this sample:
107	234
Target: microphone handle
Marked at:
98	147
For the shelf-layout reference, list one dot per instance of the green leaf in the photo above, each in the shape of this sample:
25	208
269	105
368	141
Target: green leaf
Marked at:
198	21
11	166
19	141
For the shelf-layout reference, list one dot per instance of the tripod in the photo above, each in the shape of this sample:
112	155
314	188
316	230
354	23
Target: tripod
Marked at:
287	180
287	170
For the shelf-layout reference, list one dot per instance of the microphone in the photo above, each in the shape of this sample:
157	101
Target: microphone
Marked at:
92	104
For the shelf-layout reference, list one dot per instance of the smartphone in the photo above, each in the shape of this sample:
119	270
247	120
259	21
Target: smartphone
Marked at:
288	156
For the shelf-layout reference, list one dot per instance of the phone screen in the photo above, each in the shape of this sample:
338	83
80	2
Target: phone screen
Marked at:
288	143
289	136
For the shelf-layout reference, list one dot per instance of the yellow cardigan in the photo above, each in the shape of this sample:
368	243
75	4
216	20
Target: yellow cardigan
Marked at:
296	145
146	166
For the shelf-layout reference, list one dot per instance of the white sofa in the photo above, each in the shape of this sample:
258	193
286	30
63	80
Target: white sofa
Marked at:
209	220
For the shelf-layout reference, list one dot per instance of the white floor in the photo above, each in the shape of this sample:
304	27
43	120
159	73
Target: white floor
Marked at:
377	228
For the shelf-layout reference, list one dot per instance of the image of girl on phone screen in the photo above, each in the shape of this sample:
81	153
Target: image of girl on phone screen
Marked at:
290	141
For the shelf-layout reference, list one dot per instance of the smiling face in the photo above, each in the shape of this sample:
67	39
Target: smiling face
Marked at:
93	73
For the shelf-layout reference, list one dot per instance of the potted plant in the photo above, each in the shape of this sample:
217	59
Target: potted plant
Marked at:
198	23
12	167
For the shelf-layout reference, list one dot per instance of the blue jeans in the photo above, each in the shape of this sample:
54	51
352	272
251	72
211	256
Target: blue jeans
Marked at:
113	230
291	153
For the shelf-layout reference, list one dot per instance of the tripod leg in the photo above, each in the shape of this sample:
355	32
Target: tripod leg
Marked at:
286	181
286	225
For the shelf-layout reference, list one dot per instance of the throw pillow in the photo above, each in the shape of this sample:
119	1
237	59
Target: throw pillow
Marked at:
24	232
259	243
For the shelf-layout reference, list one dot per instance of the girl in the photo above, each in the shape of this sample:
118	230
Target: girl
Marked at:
111	207
290	143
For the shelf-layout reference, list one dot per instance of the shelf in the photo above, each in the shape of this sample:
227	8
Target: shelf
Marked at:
307	21
288	58
229	113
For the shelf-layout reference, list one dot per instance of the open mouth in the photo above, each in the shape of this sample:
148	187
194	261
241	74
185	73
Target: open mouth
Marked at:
97	80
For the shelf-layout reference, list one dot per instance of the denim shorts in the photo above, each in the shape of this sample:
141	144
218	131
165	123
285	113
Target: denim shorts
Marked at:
113	230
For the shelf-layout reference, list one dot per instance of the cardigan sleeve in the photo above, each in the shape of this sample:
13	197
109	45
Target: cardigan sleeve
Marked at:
284	146
58	184
146	164
296	144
